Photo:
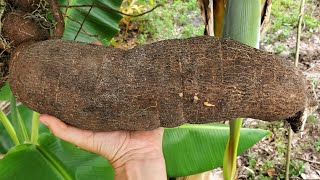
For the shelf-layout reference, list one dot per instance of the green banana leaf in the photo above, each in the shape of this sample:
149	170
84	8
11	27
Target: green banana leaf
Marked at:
26	113
5	92
53	159
188	149
6	142
99	25
191	148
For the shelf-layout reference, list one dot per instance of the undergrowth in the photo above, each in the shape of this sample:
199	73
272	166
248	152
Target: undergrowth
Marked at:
175	19
284	19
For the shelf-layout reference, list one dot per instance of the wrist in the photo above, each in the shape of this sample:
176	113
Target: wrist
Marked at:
142	170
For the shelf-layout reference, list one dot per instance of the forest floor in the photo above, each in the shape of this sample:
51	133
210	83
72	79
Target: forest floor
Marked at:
265	160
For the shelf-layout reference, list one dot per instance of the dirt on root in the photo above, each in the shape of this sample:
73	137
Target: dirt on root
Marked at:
4	68
191	67
17	28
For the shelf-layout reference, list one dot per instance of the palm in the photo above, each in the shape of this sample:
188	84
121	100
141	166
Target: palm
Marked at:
119	147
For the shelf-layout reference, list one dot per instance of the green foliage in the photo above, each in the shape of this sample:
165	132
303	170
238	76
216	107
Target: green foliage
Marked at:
313	119
281	147
134	7
53	159
6	142
188	150
192	149
286	13
166	23
280	48
285	19
252	161
296	167
267	165
264	178
17	122
99	25
5	92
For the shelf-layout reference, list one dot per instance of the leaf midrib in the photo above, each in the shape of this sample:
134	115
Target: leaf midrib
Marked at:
56	164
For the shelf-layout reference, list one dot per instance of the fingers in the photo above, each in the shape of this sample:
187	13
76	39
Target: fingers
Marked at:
97	43
68	133
111	145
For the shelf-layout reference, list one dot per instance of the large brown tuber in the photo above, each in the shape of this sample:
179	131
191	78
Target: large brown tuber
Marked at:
168	83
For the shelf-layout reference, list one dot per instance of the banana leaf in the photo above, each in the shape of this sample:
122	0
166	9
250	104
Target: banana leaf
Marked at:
185	149
96	24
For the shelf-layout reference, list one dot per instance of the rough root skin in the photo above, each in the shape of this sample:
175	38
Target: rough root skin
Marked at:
298	121
168	83
17	29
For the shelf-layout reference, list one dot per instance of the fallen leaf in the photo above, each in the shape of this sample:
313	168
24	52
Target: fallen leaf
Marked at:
271	172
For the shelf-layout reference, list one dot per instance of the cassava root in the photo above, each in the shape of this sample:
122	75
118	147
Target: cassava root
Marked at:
167	83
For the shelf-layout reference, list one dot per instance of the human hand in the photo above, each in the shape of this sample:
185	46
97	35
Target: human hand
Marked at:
133	154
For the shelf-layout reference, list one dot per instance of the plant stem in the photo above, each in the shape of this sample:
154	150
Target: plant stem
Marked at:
18	123
299	32
288	152
312	162
230	154
35	127
241	23
58	18
8	126
296	63
84	20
